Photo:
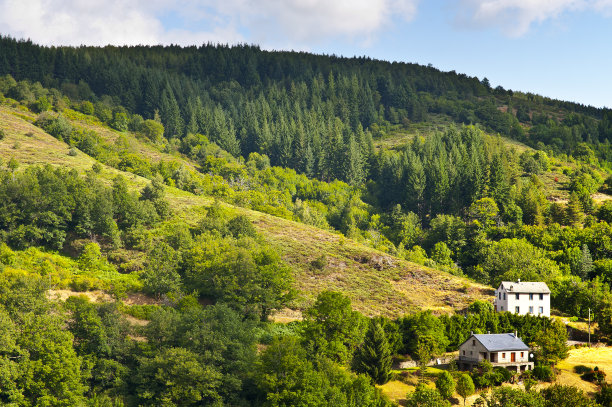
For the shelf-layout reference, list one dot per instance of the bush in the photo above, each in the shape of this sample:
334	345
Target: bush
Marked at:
2	134
320	262
72	152
580	369
594	376
544	373
241	226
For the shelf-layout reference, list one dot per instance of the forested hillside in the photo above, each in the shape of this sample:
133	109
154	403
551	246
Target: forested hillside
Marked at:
227	184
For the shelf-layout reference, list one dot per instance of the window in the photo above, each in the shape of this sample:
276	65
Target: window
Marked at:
522	353
531	297
503	355
473	342
541	310
541	297
531	310
502	308
500	295
517	309
518	296
504	296
463	353
471	353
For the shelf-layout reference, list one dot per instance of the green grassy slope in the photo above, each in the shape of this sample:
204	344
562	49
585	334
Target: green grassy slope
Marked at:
376	282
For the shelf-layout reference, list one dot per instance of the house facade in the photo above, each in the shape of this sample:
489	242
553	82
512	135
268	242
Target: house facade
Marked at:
523	298
506	350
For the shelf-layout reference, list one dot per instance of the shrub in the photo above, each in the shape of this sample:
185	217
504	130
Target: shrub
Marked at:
2	134
580	369
72	152
594	376
320	262
544	373
241	226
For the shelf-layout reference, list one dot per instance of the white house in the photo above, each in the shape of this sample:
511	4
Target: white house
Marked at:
523	298
505	350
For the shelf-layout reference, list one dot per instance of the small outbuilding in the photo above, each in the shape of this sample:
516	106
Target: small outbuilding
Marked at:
505	350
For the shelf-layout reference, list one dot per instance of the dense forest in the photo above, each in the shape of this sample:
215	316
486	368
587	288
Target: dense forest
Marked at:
301	137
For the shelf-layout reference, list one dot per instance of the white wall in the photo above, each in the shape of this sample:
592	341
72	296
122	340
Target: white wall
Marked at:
509	302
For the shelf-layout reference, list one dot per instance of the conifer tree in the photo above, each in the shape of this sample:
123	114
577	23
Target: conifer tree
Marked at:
573	212
586	263
373	357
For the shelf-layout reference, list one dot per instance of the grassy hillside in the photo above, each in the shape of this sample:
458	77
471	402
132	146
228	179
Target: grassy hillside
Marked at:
376	282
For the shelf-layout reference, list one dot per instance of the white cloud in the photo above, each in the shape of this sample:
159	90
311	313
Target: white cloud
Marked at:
101	22
515	17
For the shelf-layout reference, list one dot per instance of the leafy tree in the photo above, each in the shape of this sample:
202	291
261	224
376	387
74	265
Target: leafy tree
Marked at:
176	377
465	386
286	376
445	385
566	396
509	397
424	396
373	356
241	226
552	343
241	273
331	327
153	130
161	273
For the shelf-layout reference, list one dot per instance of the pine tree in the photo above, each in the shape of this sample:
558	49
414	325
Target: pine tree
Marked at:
373	357
171	115
586	263
573	212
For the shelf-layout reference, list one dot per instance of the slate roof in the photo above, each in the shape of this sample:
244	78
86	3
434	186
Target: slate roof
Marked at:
500	342
525	287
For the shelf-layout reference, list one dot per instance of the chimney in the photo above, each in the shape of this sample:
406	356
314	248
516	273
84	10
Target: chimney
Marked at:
516	334
518	280
488	332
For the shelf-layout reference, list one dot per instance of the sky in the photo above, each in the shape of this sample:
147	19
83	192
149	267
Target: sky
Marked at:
557	48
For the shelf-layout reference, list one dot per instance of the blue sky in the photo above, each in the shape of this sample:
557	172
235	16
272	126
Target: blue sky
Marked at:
557	48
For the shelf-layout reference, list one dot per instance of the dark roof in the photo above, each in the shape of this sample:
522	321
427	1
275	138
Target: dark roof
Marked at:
497	342
525	287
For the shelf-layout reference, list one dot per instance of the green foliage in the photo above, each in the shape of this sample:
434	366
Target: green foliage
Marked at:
373	356
331	328
175	377
424	396
566	396
445	384
544	373
161	273
465	386
510	397
423	330
552	343
247	275
241	226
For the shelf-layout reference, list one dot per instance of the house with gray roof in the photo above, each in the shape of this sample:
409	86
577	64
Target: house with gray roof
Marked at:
505	350
523	298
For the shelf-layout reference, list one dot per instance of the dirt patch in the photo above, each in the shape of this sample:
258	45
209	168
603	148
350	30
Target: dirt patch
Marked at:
286	315
140	299
93	296
136	321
